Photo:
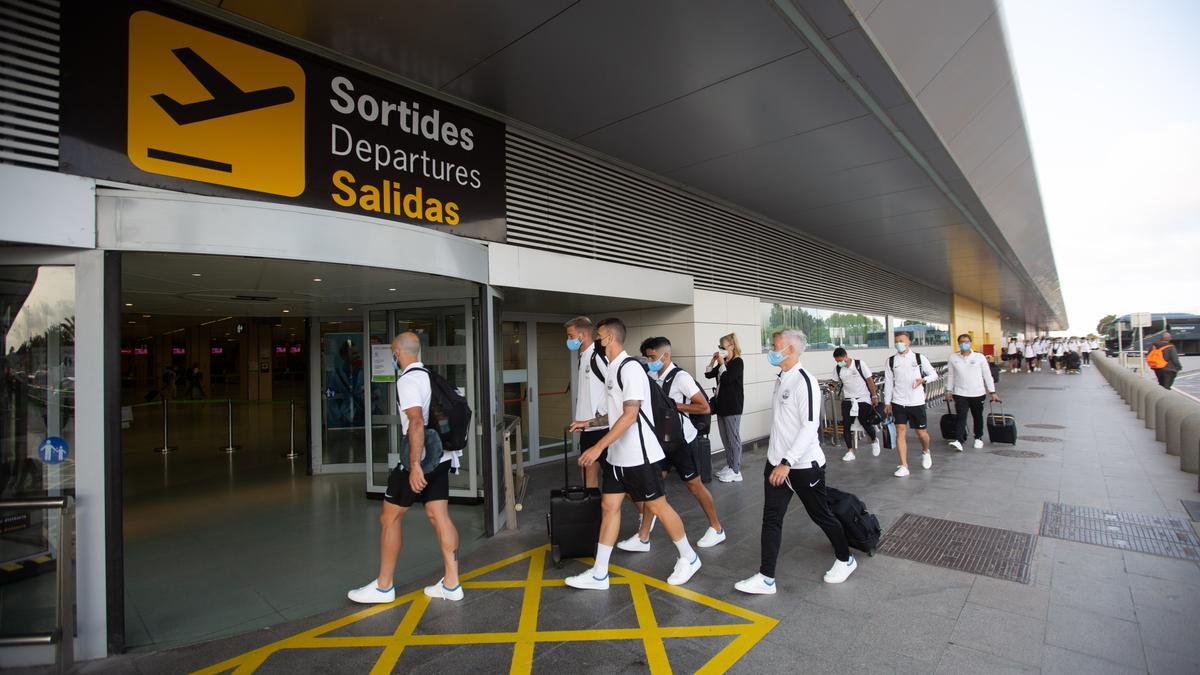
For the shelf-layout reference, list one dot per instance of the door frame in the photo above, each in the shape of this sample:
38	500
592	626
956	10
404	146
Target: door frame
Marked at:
531	320
474	475
316	403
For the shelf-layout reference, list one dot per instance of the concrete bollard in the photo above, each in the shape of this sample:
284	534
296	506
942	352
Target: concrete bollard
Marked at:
1144	389
1175	410
1153	399
1189	451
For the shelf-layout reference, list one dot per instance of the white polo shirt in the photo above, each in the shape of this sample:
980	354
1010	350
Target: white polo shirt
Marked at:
628	449
854	384
413	390
969	375
1029	350
683	388
795	420
589	401
900	375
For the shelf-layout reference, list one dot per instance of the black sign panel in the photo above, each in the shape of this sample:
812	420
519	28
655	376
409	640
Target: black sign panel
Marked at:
156	95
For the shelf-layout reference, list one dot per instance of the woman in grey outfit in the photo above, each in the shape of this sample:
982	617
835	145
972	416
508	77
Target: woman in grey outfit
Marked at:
727	368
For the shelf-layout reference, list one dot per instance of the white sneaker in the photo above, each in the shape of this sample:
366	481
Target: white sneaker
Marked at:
848	457
439	590
587	582
978	443
875	449
840	571
684	571
731	477
634	544
956	445
724	472
372	595
756	585
711	538
901	471
926	460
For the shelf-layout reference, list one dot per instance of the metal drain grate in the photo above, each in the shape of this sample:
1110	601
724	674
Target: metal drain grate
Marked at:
1049	388
1045	426
1041	439
1121	530
1193	509
989	551
1021	454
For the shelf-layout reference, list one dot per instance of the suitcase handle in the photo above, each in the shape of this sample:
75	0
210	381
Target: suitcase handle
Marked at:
576	493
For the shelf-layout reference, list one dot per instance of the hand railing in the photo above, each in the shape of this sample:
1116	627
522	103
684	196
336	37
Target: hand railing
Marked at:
63	635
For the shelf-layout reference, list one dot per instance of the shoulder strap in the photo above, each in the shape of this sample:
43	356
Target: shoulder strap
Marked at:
666	385
892	365
622	367
596	370
809	394
858	365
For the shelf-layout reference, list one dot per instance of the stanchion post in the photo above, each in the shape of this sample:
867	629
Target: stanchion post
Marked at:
166	447
229	448
292	454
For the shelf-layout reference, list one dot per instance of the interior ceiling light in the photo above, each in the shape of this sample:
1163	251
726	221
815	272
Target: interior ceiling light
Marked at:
286	311
316	278
391	289
196	274
349	309
129	304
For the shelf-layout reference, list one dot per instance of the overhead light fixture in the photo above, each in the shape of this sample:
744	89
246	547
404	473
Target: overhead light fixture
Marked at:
196	274
316	278
391	289
145	316
286	311
349	309
132	322
129	304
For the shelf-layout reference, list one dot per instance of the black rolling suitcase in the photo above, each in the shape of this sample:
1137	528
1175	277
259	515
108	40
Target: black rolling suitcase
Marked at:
1001	428
573	523
861	527
995	368
704	458
949	423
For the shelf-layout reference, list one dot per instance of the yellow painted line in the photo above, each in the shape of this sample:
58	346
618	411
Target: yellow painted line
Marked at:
42	559
747	629
531	601
11	567
387	660
656	651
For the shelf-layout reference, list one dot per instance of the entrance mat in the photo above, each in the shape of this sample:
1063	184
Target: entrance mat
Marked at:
1193	509
1138	532
989	551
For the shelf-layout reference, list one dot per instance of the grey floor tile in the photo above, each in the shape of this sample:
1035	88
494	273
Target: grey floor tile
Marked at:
959	660
1164	630
917	635
1169	595
1058	661
1000	633
1028	600
1169	569
1163	662
1091	593
839	630
1104	637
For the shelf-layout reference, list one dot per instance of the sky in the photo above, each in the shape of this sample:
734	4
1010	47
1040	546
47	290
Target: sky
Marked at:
1111	93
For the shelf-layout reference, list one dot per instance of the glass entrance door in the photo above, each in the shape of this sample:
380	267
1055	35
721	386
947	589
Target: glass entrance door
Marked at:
447	333
538	382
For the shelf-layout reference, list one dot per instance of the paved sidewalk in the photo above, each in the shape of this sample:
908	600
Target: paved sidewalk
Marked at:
1087	609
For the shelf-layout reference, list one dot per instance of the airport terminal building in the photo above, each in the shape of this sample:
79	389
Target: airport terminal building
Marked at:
216	218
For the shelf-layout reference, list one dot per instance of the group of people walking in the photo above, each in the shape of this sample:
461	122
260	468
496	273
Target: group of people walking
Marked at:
623	455
1061	355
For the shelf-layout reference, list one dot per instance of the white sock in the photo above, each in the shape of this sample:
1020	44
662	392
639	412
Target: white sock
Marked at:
603	553
685	549
653	522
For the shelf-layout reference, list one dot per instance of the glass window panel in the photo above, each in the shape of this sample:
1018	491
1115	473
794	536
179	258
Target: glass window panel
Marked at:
825	328
922	333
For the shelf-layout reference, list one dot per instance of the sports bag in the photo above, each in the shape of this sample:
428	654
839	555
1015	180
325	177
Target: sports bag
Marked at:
449	412
664	422
861	527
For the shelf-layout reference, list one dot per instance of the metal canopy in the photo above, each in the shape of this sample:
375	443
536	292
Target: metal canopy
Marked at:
729	99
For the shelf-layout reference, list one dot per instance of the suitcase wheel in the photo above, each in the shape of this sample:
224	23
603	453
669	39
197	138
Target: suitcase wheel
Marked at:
556	555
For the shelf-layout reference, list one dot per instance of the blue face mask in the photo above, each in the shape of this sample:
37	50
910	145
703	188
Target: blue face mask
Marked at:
774	358
574	344
901	346
964	346
840	364
654	366
395	364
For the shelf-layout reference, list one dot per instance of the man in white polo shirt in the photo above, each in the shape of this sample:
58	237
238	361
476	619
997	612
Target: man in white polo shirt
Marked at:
631	467
968	382
795	464
858	400
589	399
409	485
904	378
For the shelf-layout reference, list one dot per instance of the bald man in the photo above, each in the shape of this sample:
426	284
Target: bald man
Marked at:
407	486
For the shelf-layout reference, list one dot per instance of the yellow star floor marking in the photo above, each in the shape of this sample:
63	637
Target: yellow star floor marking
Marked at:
747	632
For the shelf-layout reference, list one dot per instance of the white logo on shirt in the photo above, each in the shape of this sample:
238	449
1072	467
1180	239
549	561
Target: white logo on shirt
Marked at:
787	393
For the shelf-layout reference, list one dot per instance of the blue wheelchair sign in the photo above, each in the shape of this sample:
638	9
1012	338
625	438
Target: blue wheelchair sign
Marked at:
54	450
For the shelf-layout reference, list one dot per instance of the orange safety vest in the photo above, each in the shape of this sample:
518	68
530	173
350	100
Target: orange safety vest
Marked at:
1155	358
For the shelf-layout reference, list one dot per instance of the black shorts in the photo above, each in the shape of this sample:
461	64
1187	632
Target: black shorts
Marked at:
683	461
643	483
589	438
910	415
400	493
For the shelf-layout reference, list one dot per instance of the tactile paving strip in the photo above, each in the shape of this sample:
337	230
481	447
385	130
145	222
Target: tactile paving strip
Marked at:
1045	426
1021	454
989	551
1121	530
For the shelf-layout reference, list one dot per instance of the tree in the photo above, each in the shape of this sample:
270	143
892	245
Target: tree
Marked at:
1105	324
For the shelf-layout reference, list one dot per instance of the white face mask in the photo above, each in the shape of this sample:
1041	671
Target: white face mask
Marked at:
724	353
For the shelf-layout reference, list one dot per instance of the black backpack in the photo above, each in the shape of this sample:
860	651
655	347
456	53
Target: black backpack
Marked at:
666	425
862	528
702	421
449	411
598	358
